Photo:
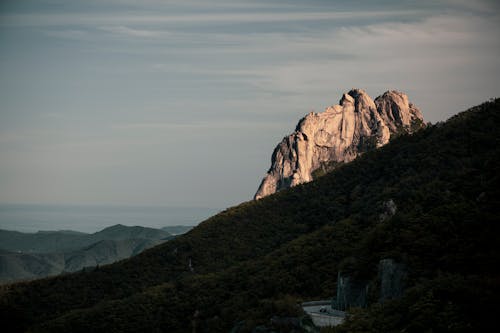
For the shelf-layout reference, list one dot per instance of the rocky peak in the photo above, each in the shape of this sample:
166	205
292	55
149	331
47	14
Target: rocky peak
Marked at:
342	132
397	112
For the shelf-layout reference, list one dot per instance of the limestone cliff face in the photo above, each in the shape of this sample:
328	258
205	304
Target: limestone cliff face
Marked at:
338	135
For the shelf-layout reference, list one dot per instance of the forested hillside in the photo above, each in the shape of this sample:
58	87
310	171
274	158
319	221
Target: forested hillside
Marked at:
258	259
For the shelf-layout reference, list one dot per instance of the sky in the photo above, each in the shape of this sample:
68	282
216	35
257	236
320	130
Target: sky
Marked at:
181	103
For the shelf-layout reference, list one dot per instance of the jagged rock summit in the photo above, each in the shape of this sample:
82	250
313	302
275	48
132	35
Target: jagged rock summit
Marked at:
342	132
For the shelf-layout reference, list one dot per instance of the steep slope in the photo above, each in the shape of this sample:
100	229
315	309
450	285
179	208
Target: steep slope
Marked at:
258	259
338	135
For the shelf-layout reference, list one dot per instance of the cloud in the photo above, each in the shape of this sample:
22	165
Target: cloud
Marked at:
480	6
71	19
130	32
194	125
68	34
445	42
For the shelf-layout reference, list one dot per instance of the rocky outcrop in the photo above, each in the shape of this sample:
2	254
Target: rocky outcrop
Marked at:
390	284
342	132
350	293
392	277
389	209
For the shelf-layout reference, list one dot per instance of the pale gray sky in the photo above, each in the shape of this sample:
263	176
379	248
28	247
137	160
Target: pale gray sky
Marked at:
180	103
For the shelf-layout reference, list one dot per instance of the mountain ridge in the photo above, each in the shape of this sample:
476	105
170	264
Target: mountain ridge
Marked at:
67	240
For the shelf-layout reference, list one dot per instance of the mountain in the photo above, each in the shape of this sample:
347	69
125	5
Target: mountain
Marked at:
42	241
323	141
121	232
429	202
64	241
70	251
29	266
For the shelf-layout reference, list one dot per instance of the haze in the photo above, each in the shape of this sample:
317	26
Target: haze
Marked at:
180	103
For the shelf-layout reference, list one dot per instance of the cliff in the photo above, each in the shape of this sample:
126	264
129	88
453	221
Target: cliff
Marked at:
322	141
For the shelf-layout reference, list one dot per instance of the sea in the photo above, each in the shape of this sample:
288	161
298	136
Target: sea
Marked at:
92	218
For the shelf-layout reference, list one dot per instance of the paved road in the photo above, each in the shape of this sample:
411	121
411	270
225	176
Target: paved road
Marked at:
323	315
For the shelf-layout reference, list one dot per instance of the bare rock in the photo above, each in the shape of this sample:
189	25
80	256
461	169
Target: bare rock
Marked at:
342	132
392	277
389	209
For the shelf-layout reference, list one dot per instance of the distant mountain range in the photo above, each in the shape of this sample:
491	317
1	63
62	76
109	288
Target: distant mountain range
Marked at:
25	256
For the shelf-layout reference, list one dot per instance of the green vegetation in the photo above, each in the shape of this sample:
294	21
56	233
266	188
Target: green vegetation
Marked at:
257	260
325	168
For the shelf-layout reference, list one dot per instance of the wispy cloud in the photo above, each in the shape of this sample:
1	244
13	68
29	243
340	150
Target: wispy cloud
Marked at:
194	125
130	32
71	19
68	34
481	6
423	44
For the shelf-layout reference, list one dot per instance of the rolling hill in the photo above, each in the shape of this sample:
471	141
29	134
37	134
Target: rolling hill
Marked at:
46	253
